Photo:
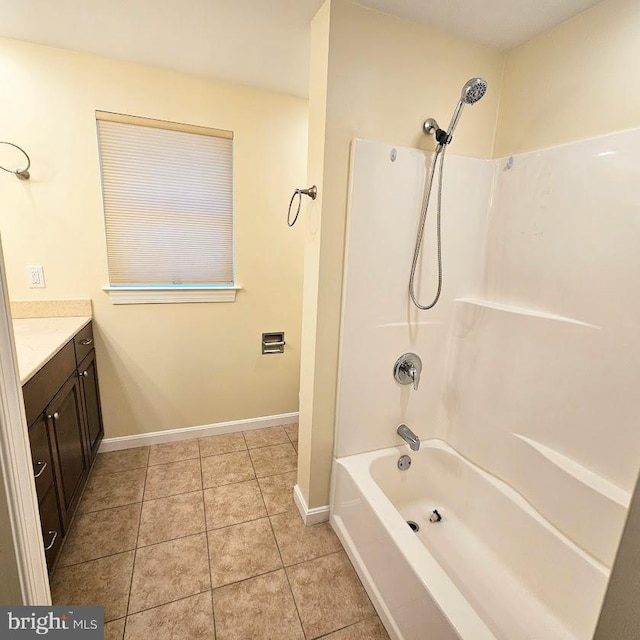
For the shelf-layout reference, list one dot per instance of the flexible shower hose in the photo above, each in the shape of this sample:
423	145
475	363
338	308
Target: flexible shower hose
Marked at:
439	153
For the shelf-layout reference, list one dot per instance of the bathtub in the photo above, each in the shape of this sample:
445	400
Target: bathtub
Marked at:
491	569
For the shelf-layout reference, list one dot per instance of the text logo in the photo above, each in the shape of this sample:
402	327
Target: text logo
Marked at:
86	623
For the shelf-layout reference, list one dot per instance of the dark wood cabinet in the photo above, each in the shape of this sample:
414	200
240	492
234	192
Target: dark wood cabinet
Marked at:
83	342
43	472
62	404
43	386
51	526
66	424
41	456
88	376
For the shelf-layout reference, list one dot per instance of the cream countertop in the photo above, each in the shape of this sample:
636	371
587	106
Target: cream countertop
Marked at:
39	339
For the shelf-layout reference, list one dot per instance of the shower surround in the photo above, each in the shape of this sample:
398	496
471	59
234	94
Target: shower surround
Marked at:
530	362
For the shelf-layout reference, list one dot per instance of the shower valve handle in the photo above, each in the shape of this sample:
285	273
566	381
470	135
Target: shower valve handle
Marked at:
407	369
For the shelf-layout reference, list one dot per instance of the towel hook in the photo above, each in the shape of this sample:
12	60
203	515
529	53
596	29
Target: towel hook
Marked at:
21	174
312	192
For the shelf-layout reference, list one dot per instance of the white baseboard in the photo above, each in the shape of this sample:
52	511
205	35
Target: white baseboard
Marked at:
200	431
309	516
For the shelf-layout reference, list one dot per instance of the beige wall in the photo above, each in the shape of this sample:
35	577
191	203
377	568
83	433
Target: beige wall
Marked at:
573	82
170	365
383	78
314	444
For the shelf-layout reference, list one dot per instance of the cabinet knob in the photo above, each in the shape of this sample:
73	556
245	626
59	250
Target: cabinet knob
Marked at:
43	466
55	416
54	536
83	373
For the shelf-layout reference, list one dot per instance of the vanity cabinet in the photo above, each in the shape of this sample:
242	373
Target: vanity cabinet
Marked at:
45	488
51	526
88	377
68	444
41	455
62	405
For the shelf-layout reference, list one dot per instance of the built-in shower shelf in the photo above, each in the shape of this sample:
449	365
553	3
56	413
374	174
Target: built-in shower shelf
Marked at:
524	312
580	473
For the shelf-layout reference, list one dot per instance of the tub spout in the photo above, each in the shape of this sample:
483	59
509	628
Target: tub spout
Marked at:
409	437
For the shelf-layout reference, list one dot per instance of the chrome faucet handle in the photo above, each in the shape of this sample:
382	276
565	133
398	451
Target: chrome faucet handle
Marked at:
407	369
415	376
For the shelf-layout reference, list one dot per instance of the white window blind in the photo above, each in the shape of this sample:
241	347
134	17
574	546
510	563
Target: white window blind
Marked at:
168	202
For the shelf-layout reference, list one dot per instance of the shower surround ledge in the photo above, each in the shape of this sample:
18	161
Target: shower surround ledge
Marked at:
508	407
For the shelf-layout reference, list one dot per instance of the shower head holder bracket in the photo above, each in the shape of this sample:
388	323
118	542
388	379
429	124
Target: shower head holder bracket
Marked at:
443	137
431	127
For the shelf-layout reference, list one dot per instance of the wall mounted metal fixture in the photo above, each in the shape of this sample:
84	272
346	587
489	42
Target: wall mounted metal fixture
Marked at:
273	342
21	174
312	192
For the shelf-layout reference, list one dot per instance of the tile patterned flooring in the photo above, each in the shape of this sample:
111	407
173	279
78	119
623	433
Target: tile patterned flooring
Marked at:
201	540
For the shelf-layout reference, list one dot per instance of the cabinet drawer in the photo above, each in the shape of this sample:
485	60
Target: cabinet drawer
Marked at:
41	455
51	527
83	342
45	384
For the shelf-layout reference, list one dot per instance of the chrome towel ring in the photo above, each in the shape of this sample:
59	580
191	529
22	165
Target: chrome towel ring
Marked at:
21	174
312	192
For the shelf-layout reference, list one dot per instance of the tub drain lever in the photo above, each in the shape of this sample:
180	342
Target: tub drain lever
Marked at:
435	516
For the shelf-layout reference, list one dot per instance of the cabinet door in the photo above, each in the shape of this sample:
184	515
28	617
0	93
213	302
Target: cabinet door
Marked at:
66	420
41	456
51	526
88	374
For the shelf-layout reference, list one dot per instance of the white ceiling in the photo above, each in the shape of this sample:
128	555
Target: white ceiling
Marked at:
257	42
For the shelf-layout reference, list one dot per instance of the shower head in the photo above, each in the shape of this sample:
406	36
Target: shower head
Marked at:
471	92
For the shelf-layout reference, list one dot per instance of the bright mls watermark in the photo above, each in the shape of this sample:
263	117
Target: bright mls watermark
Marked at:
81	623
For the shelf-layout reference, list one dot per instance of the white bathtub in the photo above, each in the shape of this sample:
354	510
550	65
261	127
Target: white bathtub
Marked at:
493	568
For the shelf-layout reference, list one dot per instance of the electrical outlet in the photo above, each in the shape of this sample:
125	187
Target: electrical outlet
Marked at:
35	276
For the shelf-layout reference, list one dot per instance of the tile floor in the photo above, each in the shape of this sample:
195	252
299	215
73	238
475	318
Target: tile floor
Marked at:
201	540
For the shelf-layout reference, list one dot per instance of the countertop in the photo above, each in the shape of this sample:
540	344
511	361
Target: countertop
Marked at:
39	339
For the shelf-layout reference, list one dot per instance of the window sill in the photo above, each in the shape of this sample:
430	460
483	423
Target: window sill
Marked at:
171	295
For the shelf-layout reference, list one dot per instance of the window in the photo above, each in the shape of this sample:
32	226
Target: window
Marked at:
168	205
